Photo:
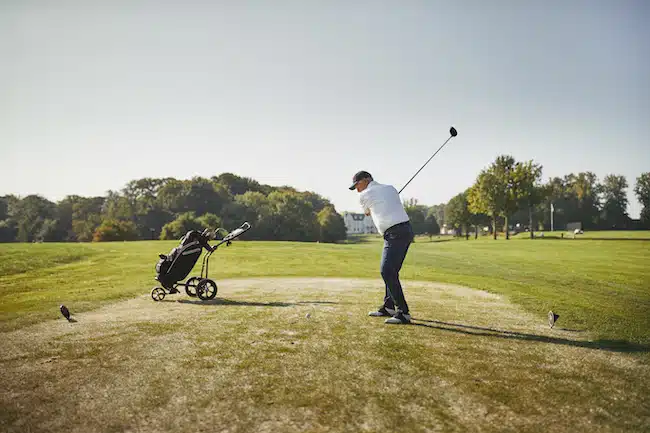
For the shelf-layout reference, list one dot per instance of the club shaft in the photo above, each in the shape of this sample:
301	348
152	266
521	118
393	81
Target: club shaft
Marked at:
416	173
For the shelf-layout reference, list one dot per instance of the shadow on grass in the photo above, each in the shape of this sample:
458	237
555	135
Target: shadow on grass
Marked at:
355	240
221	301
431	241
609	345
569	238
366	239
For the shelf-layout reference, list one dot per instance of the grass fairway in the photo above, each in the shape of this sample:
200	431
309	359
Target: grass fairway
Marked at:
480	356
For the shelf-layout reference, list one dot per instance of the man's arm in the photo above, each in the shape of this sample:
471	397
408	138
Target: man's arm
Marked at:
364	205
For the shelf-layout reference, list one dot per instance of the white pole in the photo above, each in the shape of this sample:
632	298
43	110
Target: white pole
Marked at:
552	211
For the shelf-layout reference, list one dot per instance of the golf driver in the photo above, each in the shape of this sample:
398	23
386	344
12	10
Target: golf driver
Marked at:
453	133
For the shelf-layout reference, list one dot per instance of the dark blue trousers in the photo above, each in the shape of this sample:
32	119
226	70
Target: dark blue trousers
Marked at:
397	240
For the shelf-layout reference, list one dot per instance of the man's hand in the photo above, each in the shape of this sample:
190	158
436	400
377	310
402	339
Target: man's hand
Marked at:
367	212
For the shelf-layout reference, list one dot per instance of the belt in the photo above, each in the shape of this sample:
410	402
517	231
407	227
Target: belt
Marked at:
398	225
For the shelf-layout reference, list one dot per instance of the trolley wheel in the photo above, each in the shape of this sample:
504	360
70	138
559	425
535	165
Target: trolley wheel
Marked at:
206	289
158	293
190	287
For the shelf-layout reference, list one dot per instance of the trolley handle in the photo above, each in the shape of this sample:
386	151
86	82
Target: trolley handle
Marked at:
220	229
234	234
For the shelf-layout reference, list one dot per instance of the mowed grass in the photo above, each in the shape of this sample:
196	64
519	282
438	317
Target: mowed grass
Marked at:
598	285
599	234
252	360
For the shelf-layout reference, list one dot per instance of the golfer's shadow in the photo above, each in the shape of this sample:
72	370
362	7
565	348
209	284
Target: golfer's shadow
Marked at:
609	345
230	302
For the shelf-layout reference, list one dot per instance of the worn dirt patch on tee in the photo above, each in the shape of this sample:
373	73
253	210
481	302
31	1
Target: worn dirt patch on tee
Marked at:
123	366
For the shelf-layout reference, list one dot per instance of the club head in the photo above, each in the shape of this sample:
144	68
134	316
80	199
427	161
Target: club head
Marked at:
453	131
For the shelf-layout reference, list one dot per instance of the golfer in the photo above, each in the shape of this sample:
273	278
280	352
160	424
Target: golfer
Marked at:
382	202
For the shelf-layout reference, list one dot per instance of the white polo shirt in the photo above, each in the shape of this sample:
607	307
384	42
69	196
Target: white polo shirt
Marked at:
384	205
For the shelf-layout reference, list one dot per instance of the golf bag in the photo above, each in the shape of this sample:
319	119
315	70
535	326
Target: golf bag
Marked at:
180	261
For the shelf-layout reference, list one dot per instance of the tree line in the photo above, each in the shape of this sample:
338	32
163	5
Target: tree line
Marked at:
506	195
167	208
510	195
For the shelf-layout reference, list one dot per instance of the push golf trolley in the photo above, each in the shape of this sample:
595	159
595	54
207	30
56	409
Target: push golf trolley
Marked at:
176	266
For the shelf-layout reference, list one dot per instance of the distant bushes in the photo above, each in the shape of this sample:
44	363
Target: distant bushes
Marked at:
115	230
167	208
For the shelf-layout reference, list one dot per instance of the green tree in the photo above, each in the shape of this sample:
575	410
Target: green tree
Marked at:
139	203
557	196
527	190
171	196
438	211
584	190
488	196
477	220
504	168
180	226
151	222
642	191
86	217
237	185
4	208
198	195
142	193
8	228
575	198
233	214
153	204
431	226
457	213
615	201
255	208
65	212
318	202
48	232
209	221
497	192
331	224
8	231
30	215
115	230
417	215
293	218
203	196
119	207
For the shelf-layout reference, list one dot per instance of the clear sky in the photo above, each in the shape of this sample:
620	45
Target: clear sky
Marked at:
305	93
